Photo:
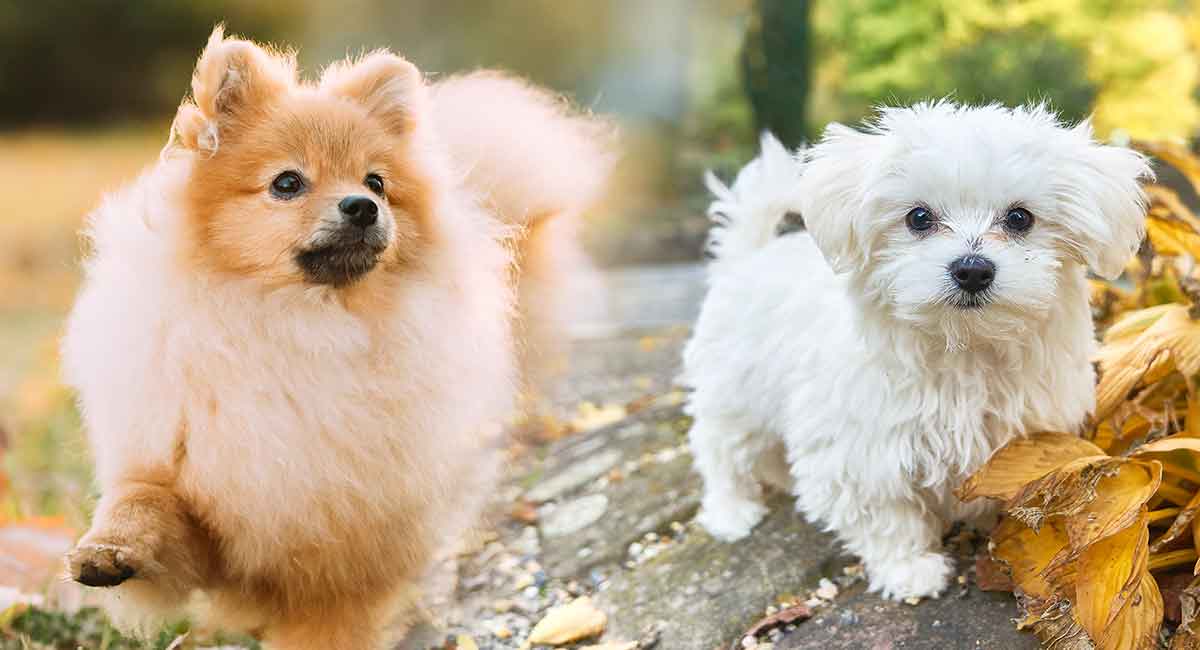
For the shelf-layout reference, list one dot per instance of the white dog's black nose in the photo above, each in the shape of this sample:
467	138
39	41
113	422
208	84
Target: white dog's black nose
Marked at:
359	210
972	273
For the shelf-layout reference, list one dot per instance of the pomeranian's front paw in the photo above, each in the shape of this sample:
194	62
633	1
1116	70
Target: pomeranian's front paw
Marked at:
102	565
730	519
920	576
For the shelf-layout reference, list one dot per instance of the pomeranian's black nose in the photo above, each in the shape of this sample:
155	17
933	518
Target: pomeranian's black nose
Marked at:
972	273
359	210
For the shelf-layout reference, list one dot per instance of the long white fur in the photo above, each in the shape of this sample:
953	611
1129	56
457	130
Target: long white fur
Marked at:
841	343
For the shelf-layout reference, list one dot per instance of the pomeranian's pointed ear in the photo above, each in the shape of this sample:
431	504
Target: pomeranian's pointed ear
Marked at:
1102	202
831	195
390	88
233	79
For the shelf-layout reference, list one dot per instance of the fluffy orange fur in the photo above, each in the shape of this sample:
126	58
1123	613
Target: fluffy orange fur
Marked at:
284	456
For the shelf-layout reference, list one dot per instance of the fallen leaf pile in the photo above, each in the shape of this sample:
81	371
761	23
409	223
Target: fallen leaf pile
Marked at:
1096	528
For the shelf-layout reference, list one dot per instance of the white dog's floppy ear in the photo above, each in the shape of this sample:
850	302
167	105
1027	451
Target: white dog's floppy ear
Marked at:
832	194
390	88
1102	202
233	79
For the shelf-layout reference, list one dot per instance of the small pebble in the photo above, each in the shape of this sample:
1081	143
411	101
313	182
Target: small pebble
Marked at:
913	600
827	590
749	642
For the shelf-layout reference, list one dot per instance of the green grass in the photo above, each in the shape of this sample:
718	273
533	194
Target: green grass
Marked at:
38	629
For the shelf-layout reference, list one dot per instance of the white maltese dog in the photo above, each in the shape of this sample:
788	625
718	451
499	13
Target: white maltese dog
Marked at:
936	308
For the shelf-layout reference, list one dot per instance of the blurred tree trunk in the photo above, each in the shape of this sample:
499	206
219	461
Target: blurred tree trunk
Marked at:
775	67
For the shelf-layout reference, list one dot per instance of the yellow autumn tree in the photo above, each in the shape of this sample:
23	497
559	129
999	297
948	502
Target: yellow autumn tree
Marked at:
1132	64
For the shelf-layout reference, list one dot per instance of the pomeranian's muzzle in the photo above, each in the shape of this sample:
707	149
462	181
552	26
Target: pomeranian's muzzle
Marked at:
345	247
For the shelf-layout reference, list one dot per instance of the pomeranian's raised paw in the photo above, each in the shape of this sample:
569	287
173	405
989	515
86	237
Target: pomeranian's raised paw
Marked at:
102	565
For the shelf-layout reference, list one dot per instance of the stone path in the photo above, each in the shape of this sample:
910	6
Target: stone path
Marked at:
608	512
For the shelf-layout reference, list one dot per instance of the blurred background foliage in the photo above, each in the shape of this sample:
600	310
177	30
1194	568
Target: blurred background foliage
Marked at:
87	88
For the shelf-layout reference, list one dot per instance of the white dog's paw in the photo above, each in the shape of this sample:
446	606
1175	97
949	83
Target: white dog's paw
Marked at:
920	576
730	519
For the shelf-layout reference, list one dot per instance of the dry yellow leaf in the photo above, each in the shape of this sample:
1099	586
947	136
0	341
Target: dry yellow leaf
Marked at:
1171	236
464	642
1028	553
1170	225
1118	502
1176	155
1192	423
576	620
1173	341
1179	525
593	417
1063	492
1109	301
1115	434
1022	461
1114	567
1136	625
1170	443
1057	628
1187	635
1130	324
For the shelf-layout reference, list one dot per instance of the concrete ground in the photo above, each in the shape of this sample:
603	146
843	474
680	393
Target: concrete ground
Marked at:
607	512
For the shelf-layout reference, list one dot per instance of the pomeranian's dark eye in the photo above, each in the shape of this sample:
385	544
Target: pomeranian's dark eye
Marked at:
919	219
287	185
374	183
1018	220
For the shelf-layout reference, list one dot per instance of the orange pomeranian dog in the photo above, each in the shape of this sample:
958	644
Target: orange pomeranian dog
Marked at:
295	342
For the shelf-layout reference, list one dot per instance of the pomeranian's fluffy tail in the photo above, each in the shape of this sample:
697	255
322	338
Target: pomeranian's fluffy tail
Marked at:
538	165
749	213
529	154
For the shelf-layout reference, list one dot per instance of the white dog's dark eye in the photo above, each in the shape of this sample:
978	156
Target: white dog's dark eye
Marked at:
374	183
287	185
919	219
1018	220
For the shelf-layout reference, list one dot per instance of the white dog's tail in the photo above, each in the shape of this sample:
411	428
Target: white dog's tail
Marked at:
747	214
